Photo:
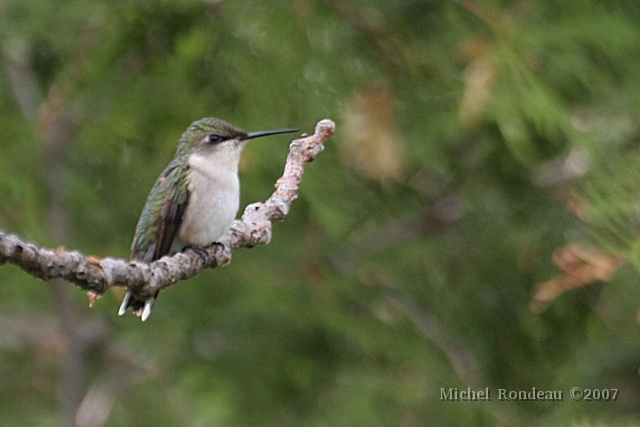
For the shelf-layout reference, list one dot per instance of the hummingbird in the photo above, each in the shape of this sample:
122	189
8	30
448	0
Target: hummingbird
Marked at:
194	200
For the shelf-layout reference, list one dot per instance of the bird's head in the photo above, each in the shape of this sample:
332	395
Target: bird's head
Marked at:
213	137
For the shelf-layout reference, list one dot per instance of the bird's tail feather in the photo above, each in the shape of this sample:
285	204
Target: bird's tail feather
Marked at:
141	308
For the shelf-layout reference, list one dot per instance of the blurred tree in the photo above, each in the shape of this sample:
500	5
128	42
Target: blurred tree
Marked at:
465	128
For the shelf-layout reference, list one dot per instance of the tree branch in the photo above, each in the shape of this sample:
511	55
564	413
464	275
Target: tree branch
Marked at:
98	275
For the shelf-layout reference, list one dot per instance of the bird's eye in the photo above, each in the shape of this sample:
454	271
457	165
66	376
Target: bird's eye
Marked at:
214	138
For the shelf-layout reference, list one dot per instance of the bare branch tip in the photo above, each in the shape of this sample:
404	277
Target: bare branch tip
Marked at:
325	127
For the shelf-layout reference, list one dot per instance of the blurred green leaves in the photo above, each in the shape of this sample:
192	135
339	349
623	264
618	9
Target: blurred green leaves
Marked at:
408	262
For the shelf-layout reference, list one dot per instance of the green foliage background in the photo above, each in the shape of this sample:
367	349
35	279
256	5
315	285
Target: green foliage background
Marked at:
407	264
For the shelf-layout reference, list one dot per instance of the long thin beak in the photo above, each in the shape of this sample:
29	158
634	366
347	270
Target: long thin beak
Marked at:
267	132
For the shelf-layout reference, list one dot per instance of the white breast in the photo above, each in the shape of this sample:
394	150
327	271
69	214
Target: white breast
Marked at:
213	203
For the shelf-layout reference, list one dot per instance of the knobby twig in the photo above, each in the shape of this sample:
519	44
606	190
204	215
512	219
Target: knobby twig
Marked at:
98	275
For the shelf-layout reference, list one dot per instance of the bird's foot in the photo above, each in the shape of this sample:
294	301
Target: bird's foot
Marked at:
201	252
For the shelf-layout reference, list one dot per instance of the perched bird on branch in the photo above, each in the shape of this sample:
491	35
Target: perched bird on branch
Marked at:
194	200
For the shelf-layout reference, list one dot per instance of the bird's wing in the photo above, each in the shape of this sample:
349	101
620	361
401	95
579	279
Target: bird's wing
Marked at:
162	216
